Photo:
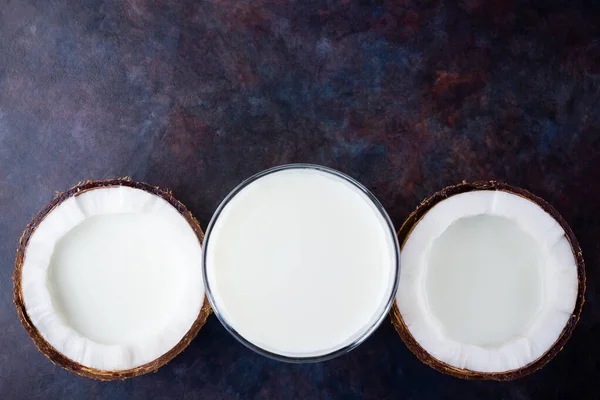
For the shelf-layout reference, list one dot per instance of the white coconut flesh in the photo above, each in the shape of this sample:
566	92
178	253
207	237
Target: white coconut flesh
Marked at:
488	281
112	278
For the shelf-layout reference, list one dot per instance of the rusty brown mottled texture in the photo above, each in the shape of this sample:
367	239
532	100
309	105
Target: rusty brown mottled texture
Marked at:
405	96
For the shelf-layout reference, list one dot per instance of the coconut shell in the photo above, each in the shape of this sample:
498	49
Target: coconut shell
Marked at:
55	356
441	366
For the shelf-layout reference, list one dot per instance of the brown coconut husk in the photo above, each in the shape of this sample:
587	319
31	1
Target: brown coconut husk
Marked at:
55	356
438	365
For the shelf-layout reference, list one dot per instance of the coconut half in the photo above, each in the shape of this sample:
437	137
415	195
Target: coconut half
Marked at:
492	282
108	280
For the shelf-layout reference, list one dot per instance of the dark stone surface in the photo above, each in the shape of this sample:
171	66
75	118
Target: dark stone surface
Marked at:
406	96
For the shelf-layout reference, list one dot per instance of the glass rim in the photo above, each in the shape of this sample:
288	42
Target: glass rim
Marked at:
362	336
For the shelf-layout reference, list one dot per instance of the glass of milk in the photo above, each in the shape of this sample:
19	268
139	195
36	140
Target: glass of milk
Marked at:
301	263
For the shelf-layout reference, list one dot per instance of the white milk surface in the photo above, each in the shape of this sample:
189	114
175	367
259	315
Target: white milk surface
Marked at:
300	262
484	280
118	278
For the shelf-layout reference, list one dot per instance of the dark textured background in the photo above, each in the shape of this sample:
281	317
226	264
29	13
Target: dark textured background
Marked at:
406	96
